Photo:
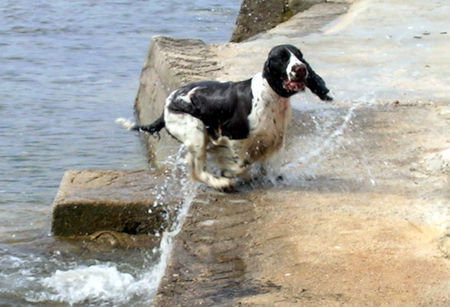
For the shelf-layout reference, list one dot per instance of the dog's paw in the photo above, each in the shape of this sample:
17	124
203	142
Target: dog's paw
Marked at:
225	185
230	189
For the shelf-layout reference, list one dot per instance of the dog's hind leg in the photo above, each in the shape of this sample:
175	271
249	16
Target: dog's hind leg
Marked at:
196	158
192	133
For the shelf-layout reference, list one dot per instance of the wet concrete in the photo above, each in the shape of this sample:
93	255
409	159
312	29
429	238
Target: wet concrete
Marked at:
362	222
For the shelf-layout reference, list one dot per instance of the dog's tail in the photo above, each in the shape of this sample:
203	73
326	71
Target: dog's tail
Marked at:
153	128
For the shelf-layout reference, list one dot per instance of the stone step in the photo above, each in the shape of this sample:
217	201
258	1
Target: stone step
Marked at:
89	201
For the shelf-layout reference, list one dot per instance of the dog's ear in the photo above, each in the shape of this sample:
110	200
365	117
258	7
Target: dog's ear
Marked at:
316	84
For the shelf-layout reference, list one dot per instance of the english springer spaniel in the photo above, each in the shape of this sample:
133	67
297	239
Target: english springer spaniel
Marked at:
239	123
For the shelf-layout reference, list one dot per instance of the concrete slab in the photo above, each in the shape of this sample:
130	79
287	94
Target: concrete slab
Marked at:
93	201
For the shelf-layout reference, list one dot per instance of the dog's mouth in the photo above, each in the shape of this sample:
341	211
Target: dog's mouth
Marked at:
296	84
295	80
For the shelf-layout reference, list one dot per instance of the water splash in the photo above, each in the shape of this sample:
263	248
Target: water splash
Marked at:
326	139
105	283
325	131
96	283
328	143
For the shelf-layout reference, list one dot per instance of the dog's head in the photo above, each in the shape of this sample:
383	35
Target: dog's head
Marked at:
288	73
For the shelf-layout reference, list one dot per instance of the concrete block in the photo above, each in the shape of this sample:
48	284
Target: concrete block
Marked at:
89	201
261	15
257	16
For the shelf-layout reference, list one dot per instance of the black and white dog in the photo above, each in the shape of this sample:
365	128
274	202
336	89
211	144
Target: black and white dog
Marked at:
238	122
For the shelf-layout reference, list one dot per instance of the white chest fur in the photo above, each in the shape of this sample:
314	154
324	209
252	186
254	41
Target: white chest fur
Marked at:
268	121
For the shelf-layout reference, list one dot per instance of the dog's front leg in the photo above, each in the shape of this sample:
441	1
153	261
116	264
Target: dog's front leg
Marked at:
230	163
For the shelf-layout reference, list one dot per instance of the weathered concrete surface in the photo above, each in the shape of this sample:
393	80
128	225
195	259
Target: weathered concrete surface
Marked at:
362	217
368	227
258	16
106	204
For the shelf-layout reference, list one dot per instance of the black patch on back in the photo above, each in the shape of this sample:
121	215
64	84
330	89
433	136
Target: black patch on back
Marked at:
222	107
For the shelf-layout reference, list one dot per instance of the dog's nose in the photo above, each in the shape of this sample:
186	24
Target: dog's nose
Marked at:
300	70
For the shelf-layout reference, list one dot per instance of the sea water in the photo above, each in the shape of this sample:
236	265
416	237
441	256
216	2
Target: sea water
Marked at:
68	69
